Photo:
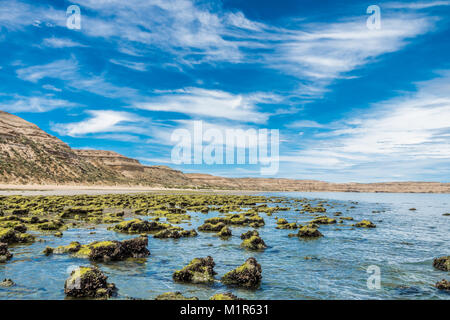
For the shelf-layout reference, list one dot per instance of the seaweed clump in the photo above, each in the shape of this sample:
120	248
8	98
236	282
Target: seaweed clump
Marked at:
248	275
199	270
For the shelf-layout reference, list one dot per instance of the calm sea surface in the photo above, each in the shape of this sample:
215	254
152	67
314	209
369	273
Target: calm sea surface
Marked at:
334	267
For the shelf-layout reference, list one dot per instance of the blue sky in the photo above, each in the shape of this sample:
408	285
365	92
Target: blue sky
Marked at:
350	103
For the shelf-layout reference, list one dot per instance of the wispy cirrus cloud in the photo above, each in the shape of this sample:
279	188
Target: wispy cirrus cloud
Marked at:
211	104
416	5
44	103
54	42
100	121
68	71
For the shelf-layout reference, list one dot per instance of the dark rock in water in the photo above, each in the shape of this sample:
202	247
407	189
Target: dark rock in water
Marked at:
365	224
254	243
48	251
323	220
446	214
139	226
12	236
199	270
117	251
443	285
249	234
88	282
7	283
174	233
173	296
224	296
106	250
211	227
309	232
442	263
225	232
5	255
247	275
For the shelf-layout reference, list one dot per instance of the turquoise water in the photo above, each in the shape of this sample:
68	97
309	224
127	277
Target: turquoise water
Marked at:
333	267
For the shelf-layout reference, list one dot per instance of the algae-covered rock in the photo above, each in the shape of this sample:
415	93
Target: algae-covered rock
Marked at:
249	234
442	263
48	251
116	250
211	227
199	270
254	243
6	283
11	236
309	232
224	296
365	224
88	282
247	275
443	285
175	233
106	250
323	220
139	226
174	296
5	255
70	248
225	232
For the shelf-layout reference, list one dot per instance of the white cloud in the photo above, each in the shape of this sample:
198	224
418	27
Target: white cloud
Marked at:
68	70
138	66
60	43
415	5
101	121
34	104
211	103
304	124
413	129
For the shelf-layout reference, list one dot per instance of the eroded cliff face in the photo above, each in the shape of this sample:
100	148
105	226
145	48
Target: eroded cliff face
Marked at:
133	170
28	155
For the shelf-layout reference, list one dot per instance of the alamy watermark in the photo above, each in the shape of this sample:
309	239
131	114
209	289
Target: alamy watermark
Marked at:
227	146
374	280
73	21
374	21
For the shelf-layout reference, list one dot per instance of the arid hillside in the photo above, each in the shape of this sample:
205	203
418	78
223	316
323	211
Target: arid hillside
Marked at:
30	156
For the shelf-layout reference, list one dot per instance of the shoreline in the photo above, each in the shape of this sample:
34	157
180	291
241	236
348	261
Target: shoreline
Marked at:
30	190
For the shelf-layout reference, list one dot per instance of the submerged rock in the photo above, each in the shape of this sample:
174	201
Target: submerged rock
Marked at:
309	232
247	275
443	285
174	296
254	243
224	296
5	255
442	263
7	283
88	282
365	224
199	270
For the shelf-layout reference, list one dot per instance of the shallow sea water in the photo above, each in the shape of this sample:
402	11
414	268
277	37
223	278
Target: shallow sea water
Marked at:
403	246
